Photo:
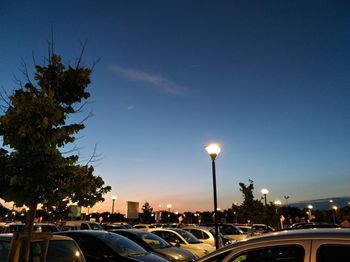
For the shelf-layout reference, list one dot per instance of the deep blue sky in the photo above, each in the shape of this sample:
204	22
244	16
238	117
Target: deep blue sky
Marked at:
268	80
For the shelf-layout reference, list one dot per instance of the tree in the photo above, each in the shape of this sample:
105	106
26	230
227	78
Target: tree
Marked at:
35	127
147	210
251	209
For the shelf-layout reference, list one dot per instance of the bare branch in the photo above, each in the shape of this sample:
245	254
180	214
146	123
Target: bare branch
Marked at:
87	117
83	45
94	157
95	63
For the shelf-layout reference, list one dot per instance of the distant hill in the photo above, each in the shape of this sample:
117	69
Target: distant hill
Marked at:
323	204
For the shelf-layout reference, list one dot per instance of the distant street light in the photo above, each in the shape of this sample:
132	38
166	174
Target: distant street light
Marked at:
310	214
264	191
169	206
213	151
113	200
334	208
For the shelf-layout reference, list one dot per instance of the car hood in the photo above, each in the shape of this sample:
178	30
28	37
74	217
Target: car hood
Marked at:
149	257
176	254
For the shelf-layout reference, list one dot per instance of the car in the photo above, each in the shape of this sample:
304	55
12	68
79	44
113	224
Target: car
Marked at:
19	227
205	234
143	226
312	225
108	226
232	231
60	248
153	243
106	246
80	225
316	245
183	239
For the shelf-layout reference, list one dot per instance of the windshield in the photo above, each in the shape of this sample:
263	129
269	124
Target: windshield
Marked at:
154	241
95	226
63	251
191	239
122	245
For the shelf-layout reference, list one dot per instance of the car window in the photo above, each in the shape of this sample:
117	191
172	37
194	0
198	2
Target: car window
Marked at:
272	254
333	253
122	245
63	251
154	241
198	234
92	247
187	236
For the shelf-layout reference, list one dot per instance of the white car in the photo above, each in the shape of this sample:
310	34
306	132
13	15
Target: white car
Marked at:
204	234
183	239
304	245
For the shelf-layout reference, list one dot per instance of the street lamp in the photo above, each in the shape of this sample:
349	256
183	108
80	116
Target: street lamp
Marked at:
213	151
264	191
310	214
335	208
169	206
113	200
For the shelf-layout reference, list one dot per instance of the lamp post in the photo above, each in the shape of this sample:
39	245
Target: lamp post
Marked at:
310	214
264	191
277	204
169	206
213	151
113	200
334	208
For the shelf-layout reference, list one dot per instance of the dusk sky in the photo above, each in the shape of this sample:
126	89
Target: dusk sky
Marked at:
267	80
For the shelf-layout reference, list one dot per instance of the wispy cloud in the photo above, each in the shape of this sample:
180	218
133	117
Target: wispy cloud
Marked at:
159	82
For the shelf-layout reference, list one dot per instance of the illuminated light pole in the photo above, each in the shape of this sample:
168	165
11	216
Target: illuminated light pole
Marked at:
169	206
277	204
213	151
335	208
264	191
113	200
310	214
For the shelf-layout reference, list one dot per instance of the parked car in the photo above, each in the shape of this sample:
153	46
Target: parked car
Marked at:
153	243
109	226
232	231
182	238
258	229
19	227
143	226
80	225
316	245
60	248
312	225
106	246
207	235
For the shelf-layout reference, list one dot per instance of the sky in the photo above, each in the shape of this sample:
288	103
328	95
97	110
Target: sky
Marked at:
267	80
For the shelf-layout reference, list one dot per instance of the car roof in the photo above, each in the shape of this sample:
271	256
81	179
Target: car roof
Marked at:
315	233
8	237
85	232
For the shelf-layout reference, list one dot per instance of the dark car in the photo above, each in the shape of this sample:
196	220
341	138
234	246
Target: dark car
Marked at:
313	225
56	248
153	243
107	246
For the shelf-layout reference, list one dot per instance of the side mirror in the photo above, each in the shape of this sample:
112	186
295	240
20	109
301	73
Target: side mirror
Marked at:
177	243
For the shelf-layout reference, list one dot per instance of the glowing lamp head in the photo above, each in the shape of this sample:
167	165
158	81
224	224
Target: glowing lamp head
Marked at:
310	207
264	191
113	197
213	150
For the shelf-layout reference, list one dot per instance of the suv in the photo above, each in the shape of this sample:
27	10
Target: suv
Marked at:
316	245
43	245
81	225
